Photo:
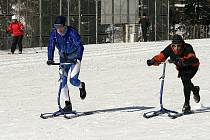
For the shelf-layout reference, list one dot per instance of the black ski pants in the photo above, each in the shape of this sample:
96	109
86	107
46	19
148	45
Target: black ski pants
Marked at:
186	75
17	40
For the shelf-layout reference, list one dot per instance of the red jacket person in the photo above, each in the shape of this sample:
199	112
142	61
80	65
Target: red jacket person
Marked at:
16	28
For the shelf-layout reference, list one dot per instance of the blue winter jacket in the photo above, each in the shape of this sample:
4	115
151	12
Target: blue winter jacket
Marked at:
69	45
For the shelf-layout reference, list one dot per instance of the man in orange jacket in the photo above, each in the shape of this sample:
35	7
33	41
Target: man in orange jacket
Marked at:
17	30
183	56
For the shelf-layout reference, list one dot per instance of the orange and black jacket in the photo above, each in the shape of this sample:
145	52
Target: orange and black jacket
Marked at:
186	55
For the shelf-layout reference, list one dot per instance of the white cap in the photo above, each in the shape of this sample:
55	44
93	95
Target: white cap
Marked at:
14	17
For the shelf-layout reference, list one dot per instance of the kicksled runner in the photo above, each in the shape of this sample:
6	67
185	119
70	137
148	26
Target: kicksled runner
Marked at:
66	115
201	109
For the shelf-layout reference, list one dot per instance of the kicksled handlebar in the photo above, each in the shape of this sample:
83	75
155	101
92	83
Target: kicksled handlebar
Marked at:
62	63
65	63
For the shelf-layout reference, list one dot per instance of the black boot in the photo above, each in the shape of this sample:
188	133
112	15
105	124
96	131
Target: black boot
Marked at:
186	108
68	106
82	91
196	95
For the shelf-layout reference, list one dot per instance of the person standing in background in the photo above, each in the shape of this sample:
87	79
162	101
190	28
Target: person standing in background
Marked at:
16	28
145	23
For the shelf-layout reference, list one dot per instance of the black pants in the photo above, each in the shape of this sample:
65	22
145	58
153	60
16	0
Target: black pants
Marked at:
17	40
186	76
144	33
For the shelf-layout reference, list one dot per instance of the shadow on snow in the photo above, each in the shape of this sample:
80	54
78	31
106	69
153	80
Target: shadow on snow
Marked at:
120	109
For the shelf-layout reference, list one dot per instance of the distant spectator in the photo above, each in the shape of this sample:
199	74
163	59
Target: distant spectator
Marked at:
16	28
145	23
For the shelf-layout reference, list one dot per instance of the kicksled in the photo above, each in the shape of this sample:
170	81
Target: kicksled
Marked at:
170	113
61	112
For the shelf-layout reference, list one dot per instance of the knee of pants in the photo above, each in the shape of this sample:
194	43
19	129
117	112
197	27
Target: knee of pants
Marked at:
20	44
187	87
75	82
187	90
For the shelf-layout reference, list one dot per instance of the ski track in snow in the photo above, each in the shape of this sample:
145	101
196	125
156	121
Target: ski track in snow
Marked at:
120	87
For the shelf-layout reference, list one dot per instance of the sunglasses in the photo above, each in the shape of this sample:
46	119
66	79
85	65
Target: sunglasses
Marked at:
57	26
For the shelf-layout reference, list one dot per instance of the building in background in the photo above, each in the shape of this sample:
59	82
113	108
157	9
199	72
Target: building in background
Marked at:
103	21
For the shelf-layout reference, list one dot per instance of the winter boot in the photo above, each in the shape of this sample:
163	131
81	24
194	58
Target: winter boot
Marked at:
68	106
82	91
186	108
196	95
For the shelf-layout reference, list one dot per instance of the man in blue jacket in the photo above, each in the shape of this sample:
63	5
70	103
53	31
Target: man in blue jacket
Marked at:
70	49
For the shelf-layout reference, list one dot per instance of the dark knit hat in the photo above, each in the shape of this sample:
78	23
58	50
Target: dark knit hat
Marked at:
60	20
177	39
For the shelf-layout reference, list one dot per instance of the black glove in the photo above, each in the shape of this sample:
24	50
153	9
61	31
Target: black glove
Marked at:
50	62
151	62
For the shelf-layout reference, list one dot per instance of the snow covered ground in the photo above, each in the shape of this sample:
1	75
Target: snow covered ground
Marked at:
119	85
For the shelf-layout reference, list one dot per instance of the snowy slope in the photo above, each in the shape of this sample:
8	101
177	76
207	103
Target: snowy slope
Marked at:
119	85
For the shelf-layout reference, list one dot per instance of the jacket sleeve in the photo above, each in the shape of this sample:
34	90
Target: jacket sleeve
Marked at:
190	58
78	43
162	56
9	28
21	27
51	45
192	61
159	58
